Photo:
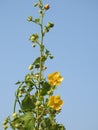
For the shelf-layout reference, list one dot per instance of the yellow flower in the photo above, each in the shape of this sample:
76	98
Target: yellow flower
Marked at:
55	102
55	78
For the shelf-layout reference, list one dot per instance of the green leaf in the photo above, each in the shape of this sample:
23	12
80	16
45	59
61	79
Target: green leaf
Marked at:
59	127
35	4
28	121
37	60
28	103
24	122
47	52
45	88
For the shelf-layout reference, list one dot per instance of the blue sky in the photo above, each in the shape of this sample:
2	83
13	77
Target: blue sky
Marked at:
74	44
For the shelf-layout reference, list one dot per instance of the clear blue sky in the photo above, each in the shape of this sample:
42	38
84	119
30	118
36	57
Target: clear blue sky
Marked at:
74	43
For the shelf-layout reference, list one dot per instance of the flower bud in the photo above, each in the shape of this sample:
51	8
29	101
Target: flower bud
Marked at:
20	93
5	122
40	11
37	76
33	45
30	67
37	66
17	125
29	19
38	103
50	25
5	127
50	92
46	7
44	67
14	115
32	38
41	107
51	56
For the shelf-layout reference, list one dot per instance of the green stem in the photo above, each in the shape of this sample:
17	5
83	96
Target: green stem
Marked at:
41	63
16	94
15	105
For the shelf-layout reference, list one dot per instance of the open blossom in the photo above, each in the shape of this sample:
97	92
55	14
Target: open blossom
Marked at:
55	102
55	78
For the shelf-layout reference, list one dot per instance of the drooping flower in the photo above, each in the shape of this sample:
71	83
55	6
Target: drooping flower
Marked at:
55	78
55	102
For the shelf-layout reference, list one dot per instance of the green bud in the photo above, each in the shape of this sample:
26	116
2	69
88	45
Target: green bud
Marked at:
30	67
38	103
5	127
37	66
21	89
32	38
50	92
29	19
46	29
50	25
41	98
20	93
14	115
5	122
40	11
17	125
27	77
51	56
33	45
